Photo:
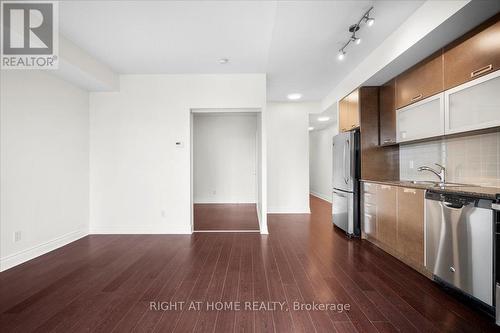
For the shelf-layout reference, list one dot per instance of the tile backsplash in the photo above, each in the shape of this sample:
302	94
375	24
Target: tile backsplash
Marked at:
473	159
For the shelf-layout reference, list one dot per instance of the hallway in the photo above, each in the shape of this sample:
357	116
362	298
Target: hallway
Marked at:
212	217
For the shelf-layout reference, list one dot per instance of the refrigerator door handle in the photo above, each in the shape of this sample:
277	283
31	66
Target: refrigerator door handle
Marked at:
346	164
343	157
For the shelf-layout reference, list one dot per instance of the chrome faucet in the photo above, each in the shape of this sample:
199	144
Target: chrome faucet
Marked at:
441	173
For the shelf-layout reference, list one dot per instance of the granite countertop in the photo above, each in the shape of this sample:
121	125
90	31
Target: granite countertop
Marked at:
468	190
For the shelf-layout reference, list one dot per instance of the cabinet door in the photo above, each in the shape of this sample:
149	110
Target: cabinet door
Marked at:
344	115
411	224
423	80
388	113
477	54
387	215
421	120
369	210
474	105
353	99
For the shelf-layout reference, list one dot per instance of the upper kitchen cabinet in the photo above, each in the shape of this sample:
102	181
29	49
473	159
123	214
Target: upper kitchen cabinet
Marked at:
387	109
473	105
421	120
421	81
475	54
349	112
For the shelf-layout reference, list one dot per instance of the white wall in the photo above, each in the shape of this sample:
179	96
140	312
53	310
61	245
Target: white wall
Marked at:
224	157
320	162
44	164
140	179
288	156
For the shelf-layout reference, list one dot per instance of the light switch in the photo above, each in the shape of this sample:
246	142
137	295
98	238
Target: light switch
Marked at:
179	144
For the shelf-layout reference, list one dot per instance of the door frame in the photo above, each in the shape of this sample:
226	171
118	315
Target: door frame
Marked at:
261	160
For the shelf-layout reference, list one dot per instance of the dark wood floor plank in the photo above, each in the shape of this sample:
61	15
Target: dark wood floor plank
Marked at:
225	217
225	318
320	319
264	321
282	320
188	317
105	283
50	267
68	287
244	320
167	320
207	319
131	317
91	298
201	274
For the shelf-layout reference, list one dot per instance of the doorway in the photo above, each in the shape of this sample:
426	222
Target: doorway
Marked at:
224	171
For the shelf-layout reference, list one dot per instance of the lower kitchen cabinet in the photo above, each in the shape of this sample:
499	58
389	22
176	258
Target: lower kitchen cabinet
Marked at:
369	210
393	219
411	224
387	215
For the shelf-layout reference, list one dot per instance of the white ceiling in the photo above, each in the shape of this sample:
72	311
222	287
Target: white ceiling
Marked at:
295	42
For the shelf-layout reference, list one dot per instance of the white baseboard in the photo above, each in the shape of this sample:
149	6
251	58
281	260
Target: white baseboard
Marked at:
223	202
139	229
38	250
288	210
321	196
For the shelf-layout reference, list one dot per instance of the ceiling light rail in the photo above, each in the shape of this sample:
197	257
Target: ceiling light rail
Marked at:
353	29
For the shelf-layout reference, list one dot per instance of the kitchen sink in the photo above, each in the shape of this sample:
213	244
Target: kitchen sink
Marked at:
422	182
449	185
436	184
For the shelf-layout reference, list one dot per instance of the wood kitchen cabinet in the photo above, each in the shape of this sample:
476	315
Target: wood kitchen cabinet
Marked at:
393	219
421	120
387	116
421	81
369	210
349	112
387	215
475	54
410	239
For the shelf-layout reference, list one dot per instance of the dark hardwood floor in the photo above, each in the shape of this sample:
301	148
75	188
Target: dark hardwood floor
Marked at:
225	217
105	283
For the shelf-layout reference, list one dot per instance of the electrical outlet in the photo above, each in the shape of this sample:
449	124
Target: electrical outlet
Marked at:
17	236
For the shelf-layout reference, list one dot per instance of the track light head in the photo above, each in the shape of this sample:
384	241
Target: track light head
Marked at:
356	40
369	21
341	55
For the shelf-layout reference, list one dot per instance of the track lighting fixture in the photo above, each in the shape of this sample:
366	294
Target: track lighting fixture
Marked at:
353	29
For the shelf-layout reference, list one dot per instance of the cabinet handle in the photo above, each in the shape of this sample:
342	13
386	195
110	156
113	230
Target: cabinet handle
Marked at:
481	70
352	126
407	190
388	141
419	96
385	187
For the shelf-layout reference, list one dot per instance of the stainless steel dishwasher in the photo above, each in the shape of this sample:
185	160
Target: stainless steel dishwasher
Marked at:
459	238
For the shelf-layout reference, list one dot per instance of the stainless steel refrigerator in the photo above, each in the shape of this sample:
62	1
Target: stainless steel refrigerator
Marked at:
345	179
